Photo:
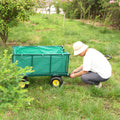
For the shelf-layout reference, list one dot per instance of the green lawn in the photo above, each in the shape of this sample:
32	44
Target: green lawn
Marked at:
74	100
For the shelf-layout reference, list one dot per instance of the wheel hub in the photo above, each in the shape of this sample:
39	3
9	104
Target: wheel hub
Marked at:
56	83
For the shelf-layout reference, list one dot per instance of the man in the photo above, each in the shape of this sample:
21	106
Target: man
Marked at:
95	68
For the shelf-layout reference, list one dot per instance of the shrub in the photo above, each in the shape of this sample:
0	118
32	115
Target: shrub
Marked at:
12	96
115	17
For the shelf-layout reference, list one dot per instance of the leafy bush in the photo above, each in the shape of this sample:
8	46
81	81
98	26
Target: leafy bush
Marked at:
11	95
115	16
92	9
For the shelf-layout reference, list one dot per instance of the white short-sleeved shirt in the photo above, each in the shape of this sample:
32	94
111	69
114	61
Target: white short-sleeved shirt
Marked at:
95	61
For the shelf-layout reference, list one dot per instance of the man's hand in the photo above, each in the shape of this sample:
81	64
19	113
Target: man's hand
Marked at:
72	75
78	69
75	71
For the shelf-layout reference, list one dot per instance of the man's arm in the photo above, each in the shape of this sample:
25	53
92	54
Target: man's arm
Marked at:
78	69
73	75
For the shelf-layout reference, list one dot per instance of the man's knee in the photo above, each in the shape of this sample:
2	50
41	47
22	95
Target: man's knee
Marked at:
83	78
86	79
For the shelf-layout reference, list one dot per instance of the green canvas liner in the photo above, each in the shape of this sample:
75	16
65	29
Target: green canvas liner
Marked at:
45	60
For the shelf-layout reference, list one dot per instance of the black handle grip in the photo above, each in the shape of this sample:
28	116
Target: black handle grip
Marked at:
70	73
108	57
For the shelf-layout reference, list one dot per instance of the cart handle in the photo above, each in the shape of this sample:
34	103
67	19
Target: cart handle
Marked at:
108	57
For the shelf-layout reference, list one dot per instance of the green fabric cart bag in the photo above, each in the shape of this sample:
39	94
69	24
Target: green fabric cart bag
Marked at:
45	60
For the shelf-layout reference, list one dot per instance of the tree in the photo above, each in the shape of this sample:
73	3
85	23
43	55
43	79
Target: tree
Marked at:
64	4
44	4
114	10
11	13
83	10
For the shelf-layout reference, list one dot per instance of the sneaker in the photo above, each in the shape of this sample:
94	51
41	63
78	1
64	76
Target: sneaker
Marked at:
99	85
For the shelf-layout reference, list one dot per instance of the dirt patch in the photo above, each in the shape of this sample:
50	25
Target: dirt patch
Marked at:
12	43
15	43
33	24
70	45
97	24
47	29
95	40
36	40
90	22
107	106
79	84
27	21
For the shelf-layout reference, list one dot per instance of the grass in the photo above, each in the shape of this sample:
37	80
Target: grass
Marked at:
74	100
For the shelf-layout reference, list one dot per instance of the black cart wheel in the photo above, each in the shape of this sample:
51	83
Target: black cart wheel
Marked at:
56	81
23	84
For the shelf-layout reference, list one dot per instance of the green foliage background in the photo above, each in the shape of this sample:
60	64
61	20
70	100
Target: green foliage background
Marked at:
98	7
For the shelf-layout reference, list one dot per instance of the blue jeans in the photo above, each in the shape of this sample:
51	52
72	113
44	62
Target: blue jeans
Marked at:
92	78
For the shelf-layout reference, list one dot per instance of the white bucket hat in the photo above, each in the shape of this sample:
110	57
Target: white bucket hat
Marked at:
79	47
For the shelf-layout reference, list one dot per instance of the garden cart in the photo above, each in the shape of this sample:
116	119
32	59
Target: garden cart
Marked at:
45	61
